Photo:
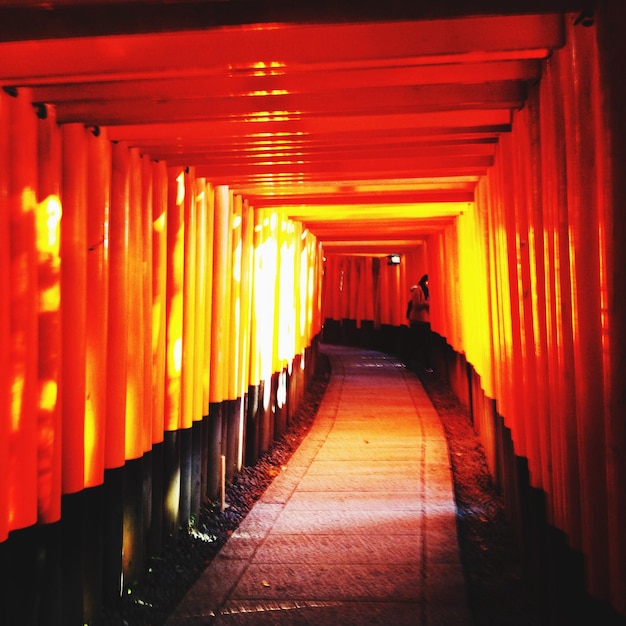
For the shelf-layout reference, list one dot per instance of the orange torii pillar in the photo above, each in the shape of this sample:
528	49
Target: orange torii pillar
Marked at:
255	386
208	235
98	194
174	347
189	345
265	279
220	328
138	325
117	355
159	332
232	404
49	287
200	386
5	320
246	273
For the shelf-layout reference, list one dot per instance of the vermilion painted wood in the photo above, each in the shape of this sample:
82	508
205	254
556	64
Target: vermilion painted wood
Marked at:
5	318
97	302
175	286
74	310
159	297
135	375
190	341
268	50
117	331
49	327
220	308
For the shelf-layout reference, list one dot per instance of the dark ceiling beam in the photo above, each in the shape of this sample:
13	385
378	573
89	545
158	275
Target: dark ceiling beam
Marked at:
25	19
296	81
389	100
276	125
270	51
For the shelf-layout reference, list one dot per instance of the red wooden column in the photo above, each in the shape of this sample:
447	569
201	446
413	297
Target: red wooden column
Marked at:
221	294
135	342
189	339
255	321
199	197
117	346
234	333
74	310
510	280
563	448
247	260
5	320
159	299
584	153
174	310
209	239
98	198
48	244
22	294
611	17
220	312
147	201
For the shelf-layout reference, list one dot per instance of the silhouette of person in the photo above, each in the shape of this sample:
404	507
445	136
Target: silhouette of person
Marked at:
418	314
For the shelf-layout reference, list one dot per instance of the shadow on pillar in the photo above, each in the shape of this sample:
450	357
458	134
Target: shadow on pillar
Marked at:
214	436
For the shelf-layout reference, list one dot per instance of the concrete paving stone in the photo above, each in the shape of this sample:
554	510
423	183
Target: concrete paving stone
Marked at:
280	491
437	489
433	509
241	547
359	482
318	613
373	439
358	467
335	453
329	581
355	501
210	590
399	522
439	550
445	588
437	455
261	517
352	549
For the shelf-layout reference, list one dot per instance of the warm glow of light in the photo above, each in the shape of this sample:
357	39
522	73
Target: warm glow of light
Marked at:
343	212
17	400
281	390
274	135
48	395
263	92
260	68
180	189
177	355
271	116
48	222
91	458
159	223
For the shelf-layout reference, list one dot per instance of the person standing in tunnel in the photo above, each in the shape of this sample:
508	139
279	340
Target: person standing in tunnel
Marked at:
418	315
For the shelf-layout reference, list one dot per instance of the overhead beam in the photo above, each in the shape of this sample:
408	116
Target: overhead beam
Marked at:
296	81
266	51
32	19
358	101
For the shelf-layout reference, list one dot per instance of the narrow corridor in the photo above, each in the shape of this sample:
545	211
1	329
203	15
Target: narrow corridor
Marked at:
360	526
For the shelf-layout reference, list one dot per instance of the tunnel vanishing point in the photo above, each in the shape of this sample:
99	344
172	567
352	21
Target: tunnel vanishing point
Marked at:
194	195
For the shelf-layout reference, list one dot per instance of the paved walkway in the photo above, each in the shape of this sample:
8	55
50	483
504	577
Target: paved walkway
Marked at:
360	526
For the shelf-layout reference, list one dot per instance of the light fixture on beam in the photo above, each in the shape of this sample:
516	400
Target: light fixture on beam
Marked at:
393	259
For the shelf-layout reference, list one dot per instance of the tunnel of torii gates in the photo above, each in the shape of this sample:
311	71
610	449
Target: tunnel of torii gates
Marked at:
158	332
